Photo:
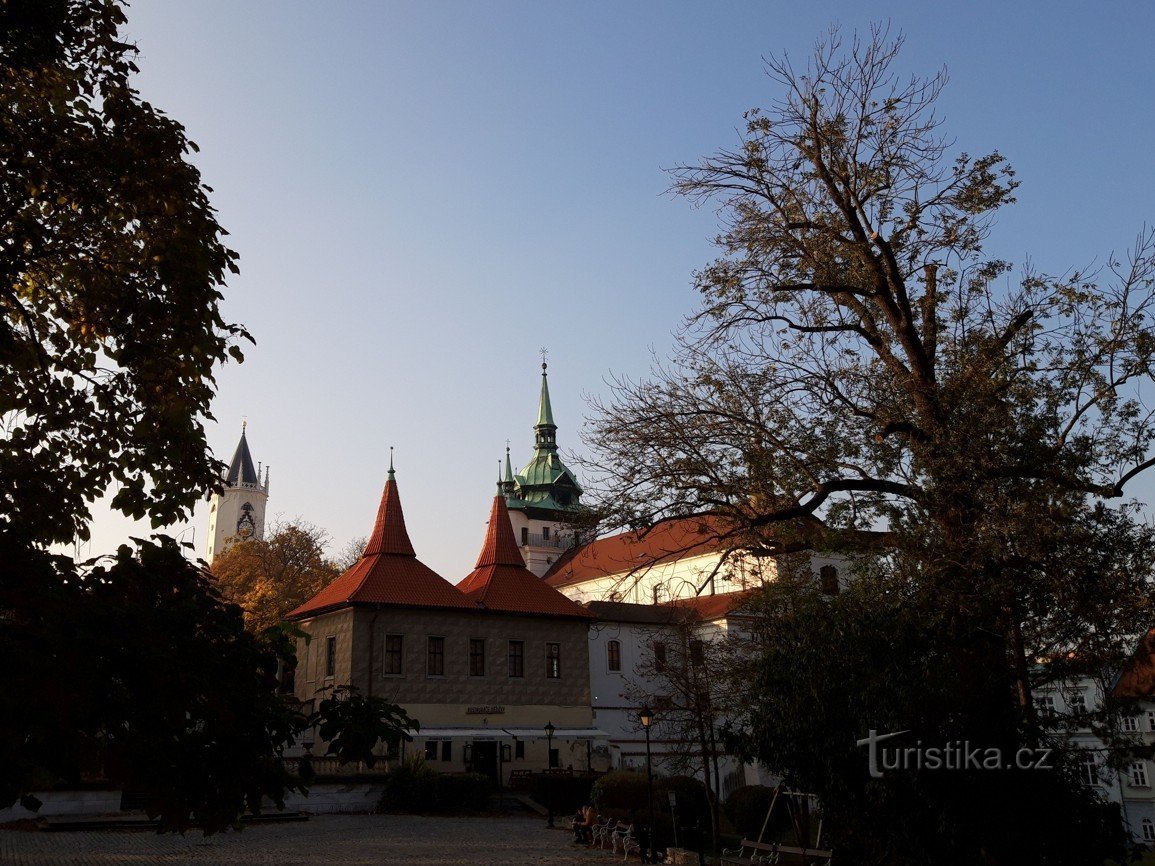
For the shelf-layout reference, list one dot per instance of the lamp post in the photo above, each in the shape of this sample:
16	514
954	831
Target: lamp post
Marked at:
549	729
646	717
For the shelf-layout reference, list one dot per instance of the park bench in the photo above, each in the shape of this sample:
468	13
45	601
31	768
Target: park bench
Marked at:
768	852
521	780
624	838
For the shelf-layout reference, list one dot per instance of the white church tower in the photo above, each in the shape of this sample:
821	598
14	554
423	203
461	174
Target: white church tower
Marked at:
238	511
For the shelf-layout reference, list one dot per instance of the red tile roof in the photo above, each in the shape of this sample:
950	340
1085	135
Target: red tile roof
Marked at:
388	571
501	582
713	607
1137	679
627	551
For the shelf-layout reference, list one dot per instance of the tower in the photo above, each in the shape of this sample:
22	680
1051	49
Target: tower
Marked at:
238	510
544	497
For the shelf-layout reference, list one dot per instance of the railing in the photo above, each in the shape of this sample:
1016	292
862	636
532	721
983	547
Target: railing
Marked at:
536	539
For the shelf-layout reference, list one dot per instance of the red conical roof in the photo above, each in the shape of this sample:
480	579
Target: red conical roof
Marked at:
388	571
501	582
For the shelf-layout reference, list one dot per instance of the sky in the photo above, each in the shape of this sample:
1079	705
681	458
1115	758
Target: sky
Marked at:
425	194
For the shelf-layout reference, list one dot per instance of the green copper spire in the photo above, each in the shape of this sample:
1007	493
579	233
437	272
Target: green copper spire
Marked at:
544	410
545	483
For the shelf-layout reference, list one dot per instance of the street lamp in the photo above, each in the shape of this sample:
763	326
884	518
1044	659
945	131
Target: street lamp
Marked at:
549	729
646	717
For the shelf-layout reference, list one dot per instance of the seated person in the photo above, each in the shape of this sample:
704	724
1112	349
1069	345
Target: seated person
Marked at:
583	824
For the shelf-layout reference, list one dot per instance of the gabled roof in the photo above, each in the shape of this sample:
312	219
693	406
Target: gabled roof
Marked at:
388	572
500	581
1137	679
709	608
627	551
241	469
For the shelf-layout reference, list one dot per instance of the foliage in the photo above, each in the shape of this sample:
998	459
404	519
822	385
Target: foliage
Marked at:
268	577
354	724
862	379
111	262
414	786
157	686
619	793
747	807
566	793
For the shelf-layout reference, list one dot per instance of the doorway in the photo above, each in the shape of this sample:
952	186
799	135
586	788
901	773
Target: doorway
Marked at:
485	758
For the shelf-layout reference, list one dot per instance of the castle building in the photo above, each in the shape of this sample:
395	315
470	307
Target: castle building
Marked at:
484	666
544	497
237	511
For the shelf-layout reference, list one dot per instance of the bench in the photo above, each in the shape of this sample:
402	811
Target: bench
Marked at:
521	780
769	852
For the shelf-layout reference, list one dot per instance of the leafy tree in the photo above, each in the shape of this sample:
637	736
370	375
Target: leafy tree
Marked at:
111	261
271	576
861	378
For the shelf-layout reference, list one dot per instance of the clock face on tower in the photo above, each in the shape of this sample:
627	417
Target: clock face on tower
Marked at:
245	525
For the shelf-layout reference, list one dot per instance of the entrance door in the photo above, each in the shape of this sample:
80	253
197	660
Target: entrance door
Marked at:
485	758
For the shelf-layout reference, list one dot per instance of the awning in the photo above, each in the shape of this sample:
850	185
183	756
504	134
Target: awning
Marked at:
491	733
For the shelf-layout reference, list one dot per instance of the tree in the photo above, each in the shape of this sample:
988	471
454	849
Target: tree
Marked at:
111	263
683	674
129	668
351	553
858	381
271	576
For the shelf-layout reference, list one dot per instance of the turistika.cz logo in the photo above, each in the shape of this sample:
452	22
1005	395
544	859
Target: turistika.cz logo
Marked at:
957	755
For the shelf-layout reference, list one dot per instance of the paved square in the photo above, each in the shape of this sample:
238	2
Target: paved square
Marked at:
364	840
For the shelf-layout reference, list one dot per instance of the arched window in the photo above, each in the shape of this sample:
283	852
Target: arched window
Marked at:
828	579
614	655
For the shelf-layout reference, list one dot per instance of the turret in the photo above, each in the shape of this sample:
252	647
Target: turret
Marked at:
237	511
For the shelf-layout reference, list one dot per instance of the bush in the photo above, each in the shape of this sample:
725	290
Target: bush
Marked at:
566	793
411	786
464	792
746	808
621	794
414	786
693	801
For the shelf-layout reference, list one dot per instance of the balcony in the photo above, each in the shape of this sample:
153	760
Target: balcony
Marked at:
555	541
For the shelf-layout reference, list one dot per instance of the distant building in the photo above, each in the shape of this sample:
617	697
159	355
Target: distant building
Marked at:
544	497
237	512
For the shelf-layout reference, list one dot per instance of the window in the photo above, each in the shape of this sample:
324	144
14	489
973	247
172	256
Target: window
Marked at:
517	658
659	657
1077	703
431	750
330	656
1151	720
519	749
1090	768
1130	723
1045	705
393	648
525	535
447	750
553	661
614	655
1148	829
545	533
477	657
1137	773
697	653
553	758
828	579
435	662
656	593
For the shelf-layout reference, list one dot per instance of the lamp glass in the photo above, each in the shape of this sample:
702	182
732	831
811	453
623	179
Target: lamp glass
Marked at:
646	717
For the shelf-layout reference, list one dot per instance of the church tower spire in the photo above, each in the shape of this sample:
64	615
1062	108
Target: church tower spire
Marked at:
237	510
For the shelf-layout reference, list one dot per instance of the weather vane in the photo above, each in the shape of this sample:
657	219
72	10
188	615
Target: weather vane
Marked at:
544	352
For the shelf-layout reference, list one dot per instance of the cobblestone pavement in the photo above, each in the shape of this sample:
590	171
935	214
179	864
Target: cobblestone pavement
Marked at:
346	840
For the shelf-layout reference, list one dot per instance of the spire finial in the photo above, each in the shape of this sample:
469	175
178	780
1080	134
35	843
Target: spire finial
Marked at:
544	352
391	478
244	425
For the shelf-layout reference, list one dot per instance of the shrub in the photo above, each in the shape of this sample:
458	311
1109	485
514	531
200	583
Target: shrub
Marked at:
621	794
410	787
746	808
464	792
567	793
692	799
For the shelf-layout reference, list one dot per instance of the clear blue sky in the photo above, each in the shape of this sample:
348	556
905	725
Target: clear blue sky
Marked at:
423	194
